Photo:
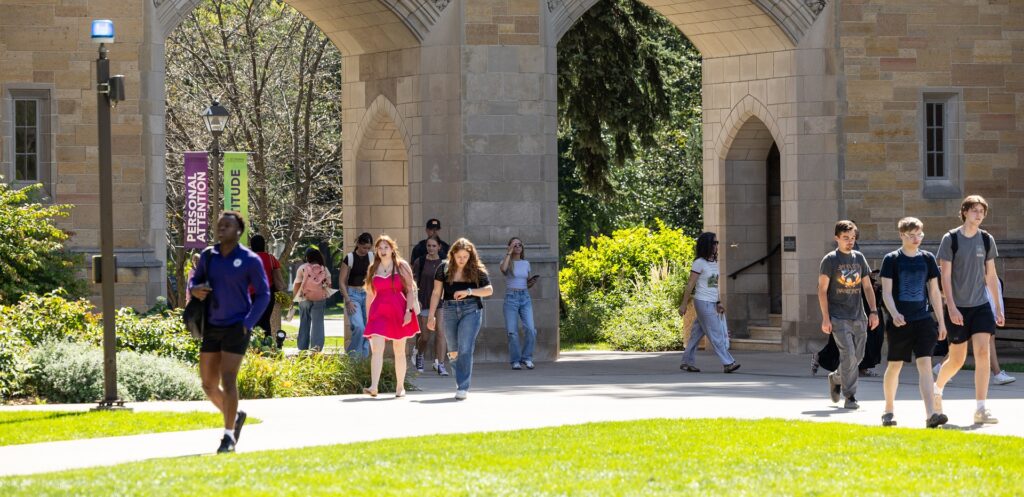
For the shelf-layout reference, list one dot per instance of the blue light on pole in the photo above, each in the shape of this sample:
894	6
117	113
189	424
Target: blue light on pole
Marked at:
103	31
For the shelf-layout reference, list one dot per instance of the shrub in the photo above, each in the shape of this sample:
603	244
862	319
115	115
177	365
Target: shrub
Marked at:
12	363
270	376
161	334
32	254
599	281
45	318
649	320
73	373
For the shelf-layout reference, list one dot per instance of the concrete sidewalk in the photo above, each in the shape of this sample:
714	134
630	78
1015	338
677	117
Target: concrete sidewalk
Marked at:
581	387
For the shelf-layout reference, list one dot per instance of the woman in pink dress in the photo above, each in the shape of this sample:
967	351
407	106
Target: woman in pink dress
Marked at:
391	299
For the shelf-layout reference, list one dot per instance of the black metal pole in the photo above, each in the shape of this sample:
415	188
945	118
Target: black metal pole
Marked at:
108	268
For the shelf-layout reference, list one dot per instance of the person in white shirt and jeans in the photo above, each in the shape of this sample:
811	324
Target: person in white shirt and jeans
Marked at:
704	274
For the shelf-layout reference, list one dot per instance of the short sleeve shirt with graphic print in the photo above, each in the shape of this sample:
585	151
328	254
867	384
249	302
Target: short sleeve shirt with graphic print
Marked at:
846	273
707	282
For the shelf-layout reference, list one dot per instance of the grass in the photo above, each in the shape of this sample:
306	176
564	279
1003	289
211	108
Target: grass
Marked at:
571	347
642	458
1009	367
338	342
24	427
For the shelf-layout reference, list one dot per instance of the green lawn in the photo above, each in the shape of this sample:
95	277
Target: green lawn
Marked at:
23	427
570	347
338	342
644	458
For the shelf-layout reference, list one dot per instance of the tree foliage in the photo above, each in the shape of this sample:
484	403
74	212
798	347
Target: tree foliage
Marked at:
630	143
280	77
32	254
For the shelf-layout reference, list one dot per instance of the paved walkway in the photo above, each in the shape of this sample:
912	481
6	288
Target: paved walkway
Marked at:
581	387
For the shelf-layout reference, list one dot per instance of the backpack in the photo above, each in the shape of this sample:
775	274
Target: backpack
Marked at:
350	258
985	238
314	282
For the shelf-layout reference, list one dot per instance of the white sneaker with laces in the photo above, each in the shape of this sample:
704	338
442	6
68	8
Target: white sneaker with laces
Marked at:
1002	378
984	416
461	394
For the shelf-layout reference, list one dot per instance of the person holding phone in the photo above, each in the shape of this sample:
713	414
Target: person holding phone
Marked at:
518	305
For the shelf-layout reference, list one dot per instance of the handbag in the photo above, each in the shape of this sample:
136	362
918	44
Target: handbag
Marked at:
194	314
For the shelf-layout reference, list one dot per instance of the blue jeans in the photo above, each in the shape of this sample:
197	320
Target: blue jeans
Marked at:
709	322
519	306
461	327
311	324
358	345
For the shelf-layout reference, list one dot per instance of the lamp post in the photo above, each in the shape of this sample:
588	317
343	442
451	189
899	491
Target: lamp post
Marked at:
109	91
216	118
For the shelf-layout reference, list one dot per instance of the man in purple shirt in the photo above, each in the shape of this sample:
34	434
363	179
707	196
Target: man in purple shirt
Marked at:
222	280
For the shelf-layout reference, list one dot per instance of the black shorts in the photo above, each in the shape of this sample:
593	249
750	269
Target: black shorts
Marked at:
978	319
233	339
915	339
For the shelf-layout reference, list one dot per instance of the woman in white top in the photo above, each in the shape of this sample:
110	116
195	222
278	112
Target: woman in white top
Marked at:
708	303
518	305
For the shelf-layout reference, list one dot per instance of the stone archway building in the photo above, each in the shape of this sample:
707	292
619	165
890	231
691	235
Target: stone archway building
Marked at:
814	110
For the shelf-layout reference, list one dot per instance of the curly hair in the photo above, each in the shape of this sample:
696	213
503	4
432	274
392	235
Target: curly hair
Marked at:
474	267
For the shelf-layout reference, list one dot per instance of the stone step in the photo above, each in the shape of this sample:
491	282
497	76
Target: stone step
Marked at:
765	333
750	344
775	320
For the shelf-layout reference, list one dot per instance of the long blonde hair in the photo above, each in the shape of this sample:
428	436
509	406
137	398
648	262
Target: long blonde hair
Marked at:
474	268
396	261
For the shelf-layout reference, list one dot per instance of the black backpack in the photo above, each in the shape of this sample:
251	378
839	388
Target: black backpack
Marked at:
985	238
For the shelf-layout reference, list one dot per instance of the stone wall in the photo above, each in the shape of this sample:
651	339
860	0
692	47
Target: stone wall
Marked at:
893	55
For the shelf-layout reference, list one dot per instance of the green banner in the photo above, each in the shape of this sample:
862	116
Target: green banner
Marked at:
236	182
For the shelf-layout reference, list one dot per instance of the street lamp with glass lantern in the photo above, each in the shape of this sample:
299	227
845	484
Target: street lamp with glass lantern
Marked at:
216	118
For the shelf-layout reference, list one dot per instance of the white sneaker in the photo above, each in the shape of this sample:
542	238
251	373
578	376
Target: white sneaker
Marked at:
984	416
461	394
1002	378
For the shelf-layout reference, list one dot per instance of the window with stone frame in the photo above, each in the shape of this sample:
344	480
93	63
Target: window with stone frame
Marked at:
27	146
940	144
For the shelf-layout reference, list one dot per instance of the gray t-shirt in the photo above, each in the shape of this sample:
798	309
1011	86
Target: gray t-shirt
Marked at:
968	266
846	273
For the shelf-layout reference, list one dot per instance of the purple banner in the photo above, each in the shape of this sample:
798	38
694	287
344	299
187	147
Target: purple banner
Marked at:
197	206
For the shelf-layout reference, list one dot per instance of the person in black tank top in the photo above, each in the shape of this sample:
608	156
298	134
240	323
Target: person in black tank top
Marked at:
353	271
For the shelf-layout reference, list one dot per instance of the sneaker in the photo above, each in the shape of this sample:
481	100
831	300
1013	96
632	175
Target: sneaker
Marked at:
936	420
984	417
1002	378
239	421
226	445
887	419
834	388
528	364
851	403
728	368
441	370
516	365
419	363
461	394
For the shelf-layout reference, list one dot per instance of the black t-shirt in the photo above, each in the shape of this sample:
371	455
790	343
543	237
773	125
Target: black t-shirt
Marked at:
910	277
450	288
420	250
357	273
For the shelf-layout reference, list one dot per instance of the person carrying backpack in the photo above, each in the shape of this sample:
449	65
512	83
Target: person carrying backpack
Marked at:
312	283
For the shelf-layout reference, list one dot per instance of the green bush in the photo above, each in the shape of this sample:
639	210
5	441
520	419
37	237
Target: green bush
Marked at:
32	254
49	317
271	376
601	282
73	373
12	363
649	321
161	334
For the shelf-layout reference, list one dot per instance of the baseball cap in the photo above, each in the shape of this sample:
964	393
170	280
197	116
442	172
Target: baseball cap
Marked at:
433	224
